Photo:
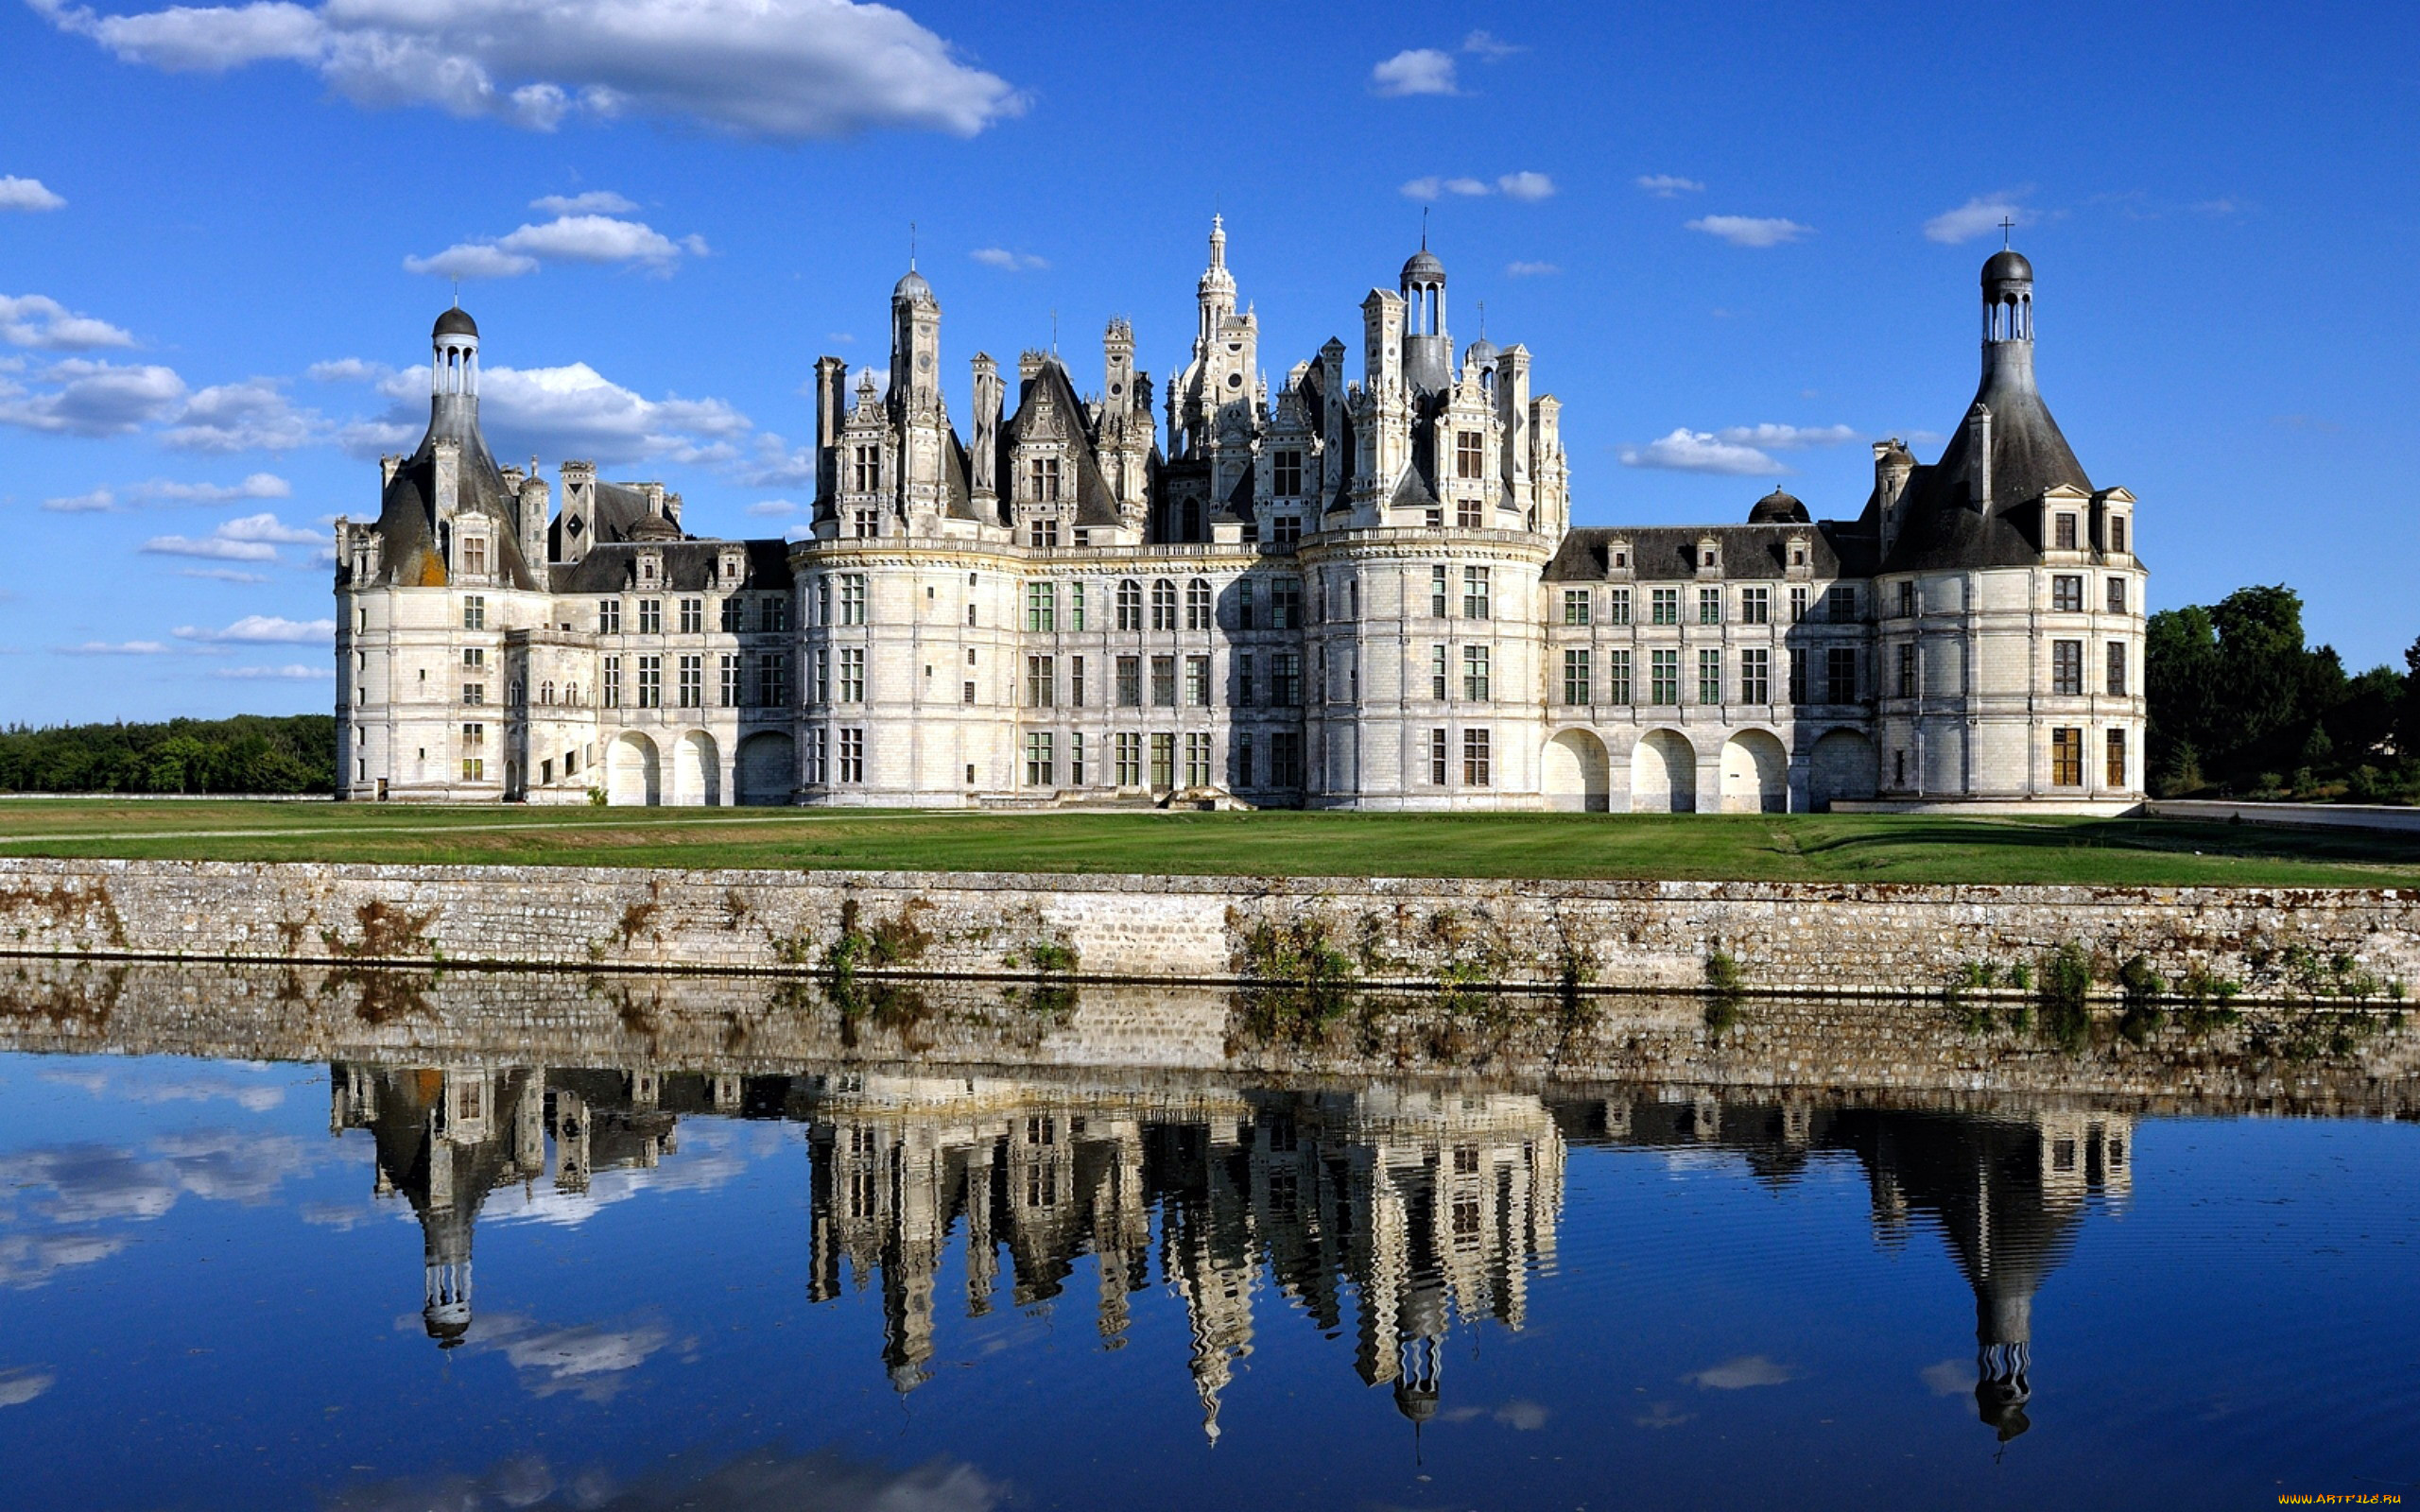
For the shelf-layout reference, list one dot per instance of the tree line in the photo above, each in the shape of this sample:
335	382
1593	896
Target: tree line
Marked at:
2241	707
248	753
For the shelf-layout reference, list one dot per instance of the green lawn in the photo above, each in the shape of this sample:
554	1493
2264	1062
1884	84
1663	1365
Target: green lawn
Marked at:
1793	848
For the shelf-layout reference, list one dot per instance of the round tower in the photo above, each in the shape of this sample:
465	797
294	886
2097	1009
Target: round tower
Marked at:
2008	318
454	365
1427	350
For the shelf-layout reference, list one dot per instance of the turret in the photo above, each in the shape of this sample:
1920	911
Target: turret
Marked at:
1216	293
2008	320
1428	349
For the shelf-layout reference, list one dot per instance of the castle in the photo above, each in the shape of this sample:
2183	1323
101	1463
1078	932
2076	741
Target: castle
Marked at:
1327	594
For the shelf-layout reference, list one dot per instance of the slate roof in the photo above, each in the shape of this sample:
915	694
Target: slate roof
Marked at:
688	566
1753	553
406	510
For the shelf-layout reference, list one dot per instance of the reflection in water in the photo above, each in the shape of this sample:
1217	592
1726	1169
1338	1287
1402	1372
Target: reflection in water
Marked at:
1410	1208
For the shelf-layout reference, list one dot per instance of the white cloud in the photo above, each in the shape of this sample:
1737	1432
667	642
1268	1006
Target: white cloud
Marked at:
567	411
783	69
100	500
1786	438
1415	71
1751	230
30	1261
27	193
93	397
1948	1377
1007	261
289	673
222	574
1688	450
38	320
571	238
1739	1374
1530	269
347	370
255	630
1669	186
1979	216
268	527
594	202
211	548
1526	185
1490	47
110	648
250	416
771	508
254	486
1426	188
24	1384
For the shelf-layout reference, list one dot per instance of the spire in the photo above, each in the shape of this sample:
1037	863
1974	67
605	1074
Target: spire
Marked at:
1218	241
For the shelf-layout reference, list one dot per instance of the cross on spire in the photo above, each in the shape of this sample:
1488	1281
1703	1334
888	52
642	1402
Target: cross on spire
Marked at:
911	247
2006	226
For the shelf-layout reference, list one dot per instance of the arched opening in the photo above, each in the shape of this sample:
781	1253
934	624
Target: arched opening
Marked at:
697	771
767	769
1575	773
1756	774
1840	765
633	775
1663	774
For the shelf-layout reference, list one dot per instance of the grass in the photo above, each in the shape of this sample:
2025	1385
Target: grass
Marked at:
1792	848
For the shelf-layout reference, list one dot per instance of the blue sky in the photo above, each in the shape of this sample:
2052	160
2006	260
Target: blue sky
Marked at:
1740	245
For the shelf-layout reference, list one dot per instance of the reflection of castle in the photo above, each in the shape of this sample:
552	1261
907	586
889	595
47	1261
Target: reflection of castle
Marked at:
1410	1207
2008	1193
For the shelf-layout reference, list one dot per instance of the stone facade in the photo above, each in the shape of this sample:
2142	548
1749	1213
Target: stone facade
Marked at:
1795	937
1315	592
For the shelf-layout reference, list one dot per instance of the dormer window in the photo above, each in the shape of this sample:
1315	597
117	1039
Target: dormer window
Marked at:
2117	533
475	556
1798	556
1042	480
865	469
1286	474
2062	532
647	569
1042	532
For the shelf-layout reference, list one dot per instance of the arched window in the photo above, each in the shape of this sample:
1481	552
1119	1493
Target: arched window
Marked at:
1129	605
1197	605
545	693
1164	605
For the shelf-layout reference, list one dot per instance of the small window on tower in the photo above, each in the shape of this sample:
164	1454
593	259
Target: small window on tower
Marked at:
2063	533
1470	455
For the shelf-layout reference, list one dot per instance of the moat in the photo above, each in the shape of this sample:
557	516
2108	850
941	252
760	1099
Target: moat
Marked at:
353	1239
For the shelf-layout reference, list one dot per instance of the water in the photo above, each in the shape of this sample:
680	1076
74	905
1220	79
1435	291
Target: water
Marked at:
381	1261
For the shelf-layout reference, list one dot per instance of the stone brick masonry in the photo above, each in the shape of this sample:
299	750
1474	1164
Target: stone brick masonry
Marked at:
1785	937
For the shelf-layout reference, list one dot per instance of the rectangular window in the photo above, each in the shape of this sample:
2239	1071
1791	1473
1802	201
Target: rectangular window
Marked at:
1617	676
1475	674
1470	455
1756	676
1839	674
1709	606
1164	760
475	693
1163	683
818	751
1196	761
1075	759
1474	592
773	680
865	525
1243	680
693	682
1199	614
732	616
2067	593
1575	606
473	769
1243	604
1617	607
1437	676
1906	672
730	687
1130	682
1164	605
1075	682
1041	682
1197	682
474	734
1040	607
650	616
1039	767
1576	680
2117	534
852	756
853	673
613	682
1841	608
474	655
475	556
1042	480
609	616
1664	680
474	613
2116	596
1075	606
853	598
1286	758
1439	758
1798	677
1709	676
865	469
2116	657
2066	667
1470	514
1907	599
1667	608
693	615
1476	769
1797	605
1286	604
650	682
1287	529
823	690
1042	532
2063	535
1437	593
1286	679
1286	476
2067	758
1130	760
1243	759
777	614
1755	606
2114	776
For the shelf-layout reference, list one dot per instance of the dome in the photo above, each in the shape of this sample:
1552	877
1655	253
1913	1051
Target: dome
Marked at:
1778	508
456	322
2008	265
1423	266
912	287
1480	354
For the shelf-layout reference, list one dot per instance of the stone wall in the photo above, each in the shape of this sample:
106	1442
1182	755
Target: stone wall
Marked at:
1784	937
